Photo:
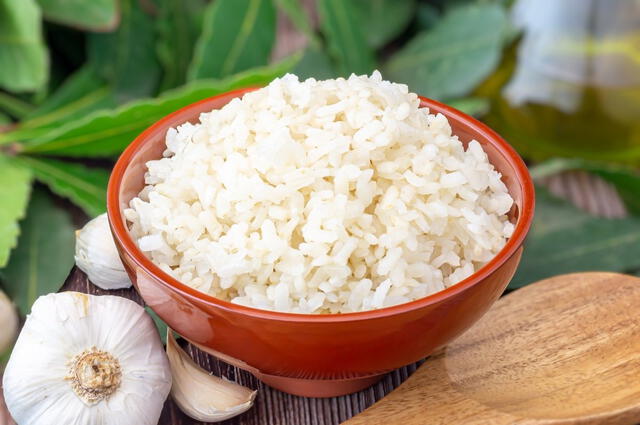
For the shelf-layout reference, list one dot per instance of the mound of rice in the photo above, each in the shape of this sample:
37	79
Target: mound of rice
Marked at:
321	197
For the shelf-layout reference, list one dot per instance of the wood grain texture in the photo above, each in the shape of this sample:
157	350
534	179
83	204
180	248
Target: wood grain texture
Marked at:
273	407
565	350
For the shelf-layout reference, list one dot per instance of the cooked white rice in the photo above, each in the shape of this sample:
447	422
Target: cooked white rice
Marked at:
321	197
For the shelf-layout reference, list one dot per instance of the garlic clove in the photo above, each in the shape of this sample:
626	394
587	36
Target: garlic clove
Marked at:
97	256
8	322
202	396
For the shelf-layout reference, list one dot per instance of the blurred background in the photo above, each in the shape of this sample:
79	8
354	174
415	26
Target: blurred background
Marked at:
559	79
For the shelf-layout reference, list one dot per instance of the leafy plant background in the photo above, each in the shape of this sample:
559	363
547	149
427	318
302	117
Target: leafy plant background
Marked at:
79	79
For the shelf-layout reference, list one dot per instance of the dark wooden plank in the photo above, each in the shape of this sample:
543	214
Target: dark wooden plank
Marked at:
272	407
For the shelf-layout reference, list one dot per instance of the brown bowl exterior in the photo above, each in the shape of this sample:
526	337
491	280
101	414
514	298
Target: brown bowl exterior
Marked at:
323	347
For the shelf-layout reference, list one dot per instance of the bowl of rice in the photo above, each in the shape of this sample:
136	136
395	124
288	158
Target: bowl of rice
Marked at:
320	233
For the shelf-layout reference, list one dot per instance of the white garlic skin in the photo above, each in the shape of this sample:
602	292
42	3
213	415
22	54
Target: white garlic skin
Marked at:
97	256
61	326
8	322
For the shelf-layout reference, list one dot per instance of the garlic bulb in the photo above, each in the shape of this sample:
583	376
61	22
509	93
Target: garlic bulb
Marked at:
97	256
8	322
87	360
202	396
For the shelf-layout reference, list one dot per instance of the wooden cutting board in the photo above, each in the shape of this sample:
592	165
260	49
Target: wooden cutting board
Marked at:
561	351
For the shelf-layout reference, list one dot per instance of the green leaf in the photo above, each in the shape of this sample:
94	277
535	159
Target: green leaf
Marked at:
44	255
383	19
14	106
564	239
160	325
449	60
81	94
345	35
237	35
178	25
14	197
625	179
475	106
126	58
4	120
84	186
4	358
296	13
315	63
427	16
106	133
92	15
23	55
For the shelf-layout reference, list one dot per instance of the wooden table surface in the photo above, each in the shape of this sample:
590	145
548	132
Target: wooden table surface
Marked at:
273	407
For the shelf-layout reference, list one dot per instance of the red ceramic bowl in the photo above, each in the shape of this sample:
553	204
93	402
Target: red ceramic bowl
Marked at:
318	355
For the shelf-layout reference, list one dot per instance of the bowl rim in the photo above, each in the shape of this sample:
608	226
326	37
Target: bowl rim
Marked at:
121	234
